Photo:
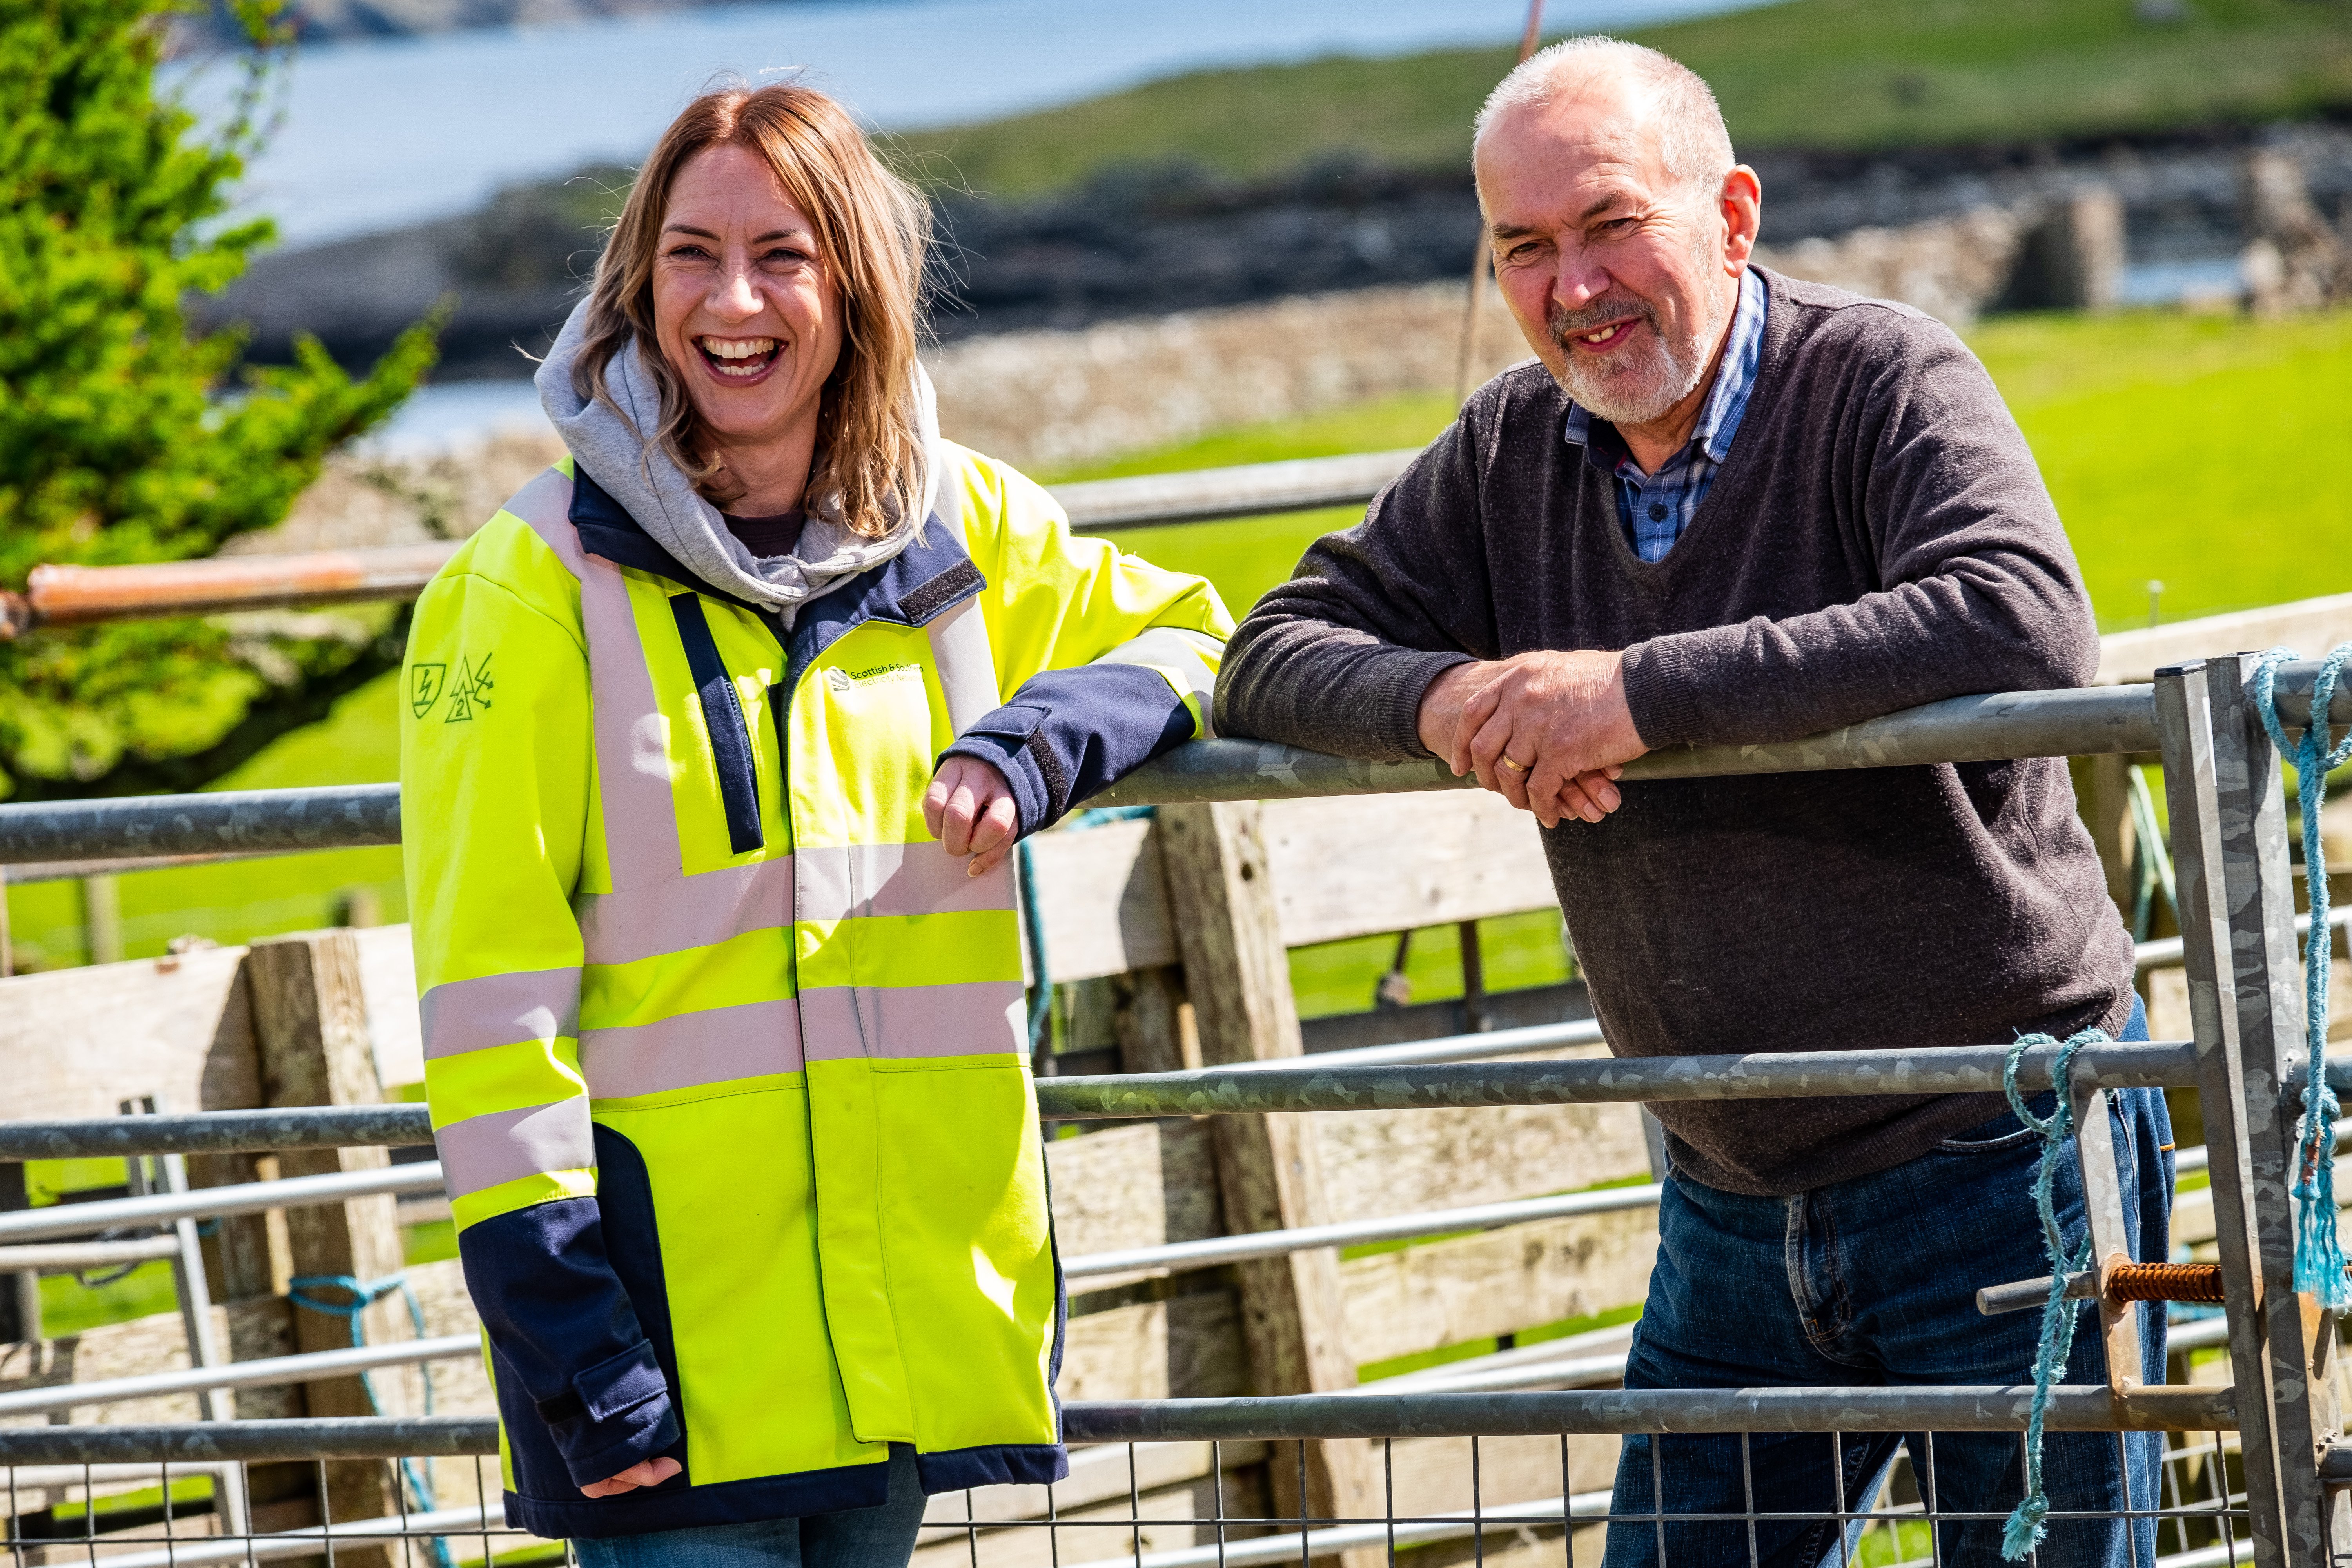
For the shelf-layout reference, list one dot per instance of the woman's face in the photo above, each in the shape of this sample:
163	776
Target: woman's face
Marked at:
744	306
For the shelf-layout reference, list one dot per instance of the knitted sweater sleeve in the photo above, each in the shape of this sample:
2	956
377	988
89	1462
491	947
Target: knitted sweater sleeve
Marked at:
1924	470
1337	658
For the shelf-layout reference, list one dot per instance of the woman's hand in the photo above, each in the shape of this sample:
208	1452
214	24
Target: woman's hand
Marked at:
644	1473
970	809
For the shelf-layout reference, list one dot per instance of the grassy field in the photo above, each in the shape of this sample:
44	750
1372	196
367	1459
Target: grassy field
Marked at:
2197	450
1807	73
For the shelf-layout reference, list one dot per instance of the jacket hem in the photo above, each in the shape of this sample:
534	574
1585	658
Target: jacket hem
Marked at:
687	1507
994	1465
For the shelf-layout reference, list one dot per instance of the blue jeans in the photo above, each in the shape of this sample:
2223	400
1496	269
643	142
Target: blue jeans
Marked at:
880	1537
1874	1280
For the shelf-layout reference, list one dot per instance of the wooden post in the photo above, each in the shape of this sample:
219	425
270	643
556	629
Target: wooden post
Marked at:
101	915
310	1021
1238	977
1153	1022
20	1294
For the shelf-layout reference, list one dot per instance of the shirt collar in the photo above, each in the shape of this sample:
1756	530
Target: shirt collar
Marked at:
1735	378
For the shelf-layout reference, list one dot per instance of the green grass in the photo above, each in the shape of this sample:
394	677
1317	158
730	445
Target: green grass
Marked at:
68	1307
1422	1360
2197	450
429	1243
1809	73
1518	951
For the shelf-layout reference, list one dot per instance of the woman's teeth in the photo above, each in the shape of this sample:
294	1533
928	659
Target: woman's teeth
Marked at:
737	356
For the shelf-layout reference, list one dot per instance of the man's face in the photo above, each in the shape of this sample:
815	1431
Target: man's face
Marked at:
1622	279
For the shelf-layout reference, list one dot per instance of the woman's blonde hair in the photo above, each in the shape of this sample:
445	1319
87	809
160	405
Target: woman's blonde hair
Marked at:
872	229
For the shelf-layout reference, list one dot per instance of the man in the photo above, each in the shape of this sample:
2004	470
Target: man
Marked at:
1728	506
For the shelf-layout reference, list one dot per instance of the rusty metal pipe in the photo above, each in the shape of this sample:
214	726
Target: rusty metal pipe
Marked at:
81	595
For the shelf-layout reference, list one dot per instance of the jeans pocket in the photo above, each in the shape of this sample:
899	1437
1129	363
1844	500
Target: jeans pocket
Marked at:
2016	1140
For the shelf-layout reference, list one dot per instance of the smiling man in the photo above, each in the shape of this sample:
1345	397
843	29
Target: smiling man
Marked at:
1727	507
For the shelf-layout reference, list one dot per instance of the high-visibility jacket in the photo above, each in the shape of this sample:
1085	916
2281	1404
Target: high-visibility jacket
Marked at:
724	1051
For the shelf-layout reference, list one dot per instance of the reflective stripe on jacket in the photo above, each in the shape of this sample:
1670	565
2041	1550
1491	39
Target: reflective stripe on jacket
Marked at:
724	1052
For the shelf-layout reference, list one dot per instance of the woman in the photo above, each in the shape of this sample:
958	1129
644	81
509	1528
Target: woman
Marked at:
710	777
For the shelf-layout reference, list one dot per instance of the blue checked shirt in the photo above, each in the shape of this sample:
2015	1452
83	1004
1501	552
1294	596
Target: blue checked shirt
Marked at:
1655	508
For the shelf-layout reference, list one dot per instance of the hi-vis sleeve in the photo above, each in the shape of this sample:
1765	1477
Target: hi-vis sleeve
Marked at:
495	805
1110	659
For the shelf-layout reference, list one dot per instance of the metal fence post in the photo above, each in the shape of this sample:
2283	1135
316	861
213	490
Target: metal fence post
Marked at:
2193	789
2246	897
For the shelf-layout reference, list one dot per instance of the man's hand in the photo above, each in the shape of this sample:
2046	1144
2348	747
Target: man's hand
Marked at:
1560	718
644	1473
970	809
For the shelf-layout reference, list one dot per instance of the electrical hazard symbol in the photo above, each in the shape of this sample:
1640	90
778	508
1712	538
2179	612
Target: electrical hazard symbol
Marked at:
425	684
470	691
429	683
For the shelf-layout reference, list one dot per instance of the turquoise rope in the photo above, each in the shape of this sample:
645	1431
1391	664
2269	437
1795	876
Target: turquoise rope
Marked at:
2026	1528
2318	1254
363	1297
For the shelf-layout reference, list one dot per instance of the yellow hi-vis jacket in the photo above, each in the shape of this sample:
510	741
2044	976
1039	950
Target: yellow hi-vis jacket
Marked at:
724	1052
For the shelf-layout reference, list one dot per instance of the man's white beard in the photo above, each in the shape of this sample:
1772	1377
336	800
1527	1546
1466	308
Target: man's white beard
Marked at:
1643	380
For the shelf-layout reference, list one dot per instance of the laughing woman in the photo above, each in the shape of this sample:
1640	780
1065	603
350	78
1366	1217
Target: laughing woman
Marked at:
719	735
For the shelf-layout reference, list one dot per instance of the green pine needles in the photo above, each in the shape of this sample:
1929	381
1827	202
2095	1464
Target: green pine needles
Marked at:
123	437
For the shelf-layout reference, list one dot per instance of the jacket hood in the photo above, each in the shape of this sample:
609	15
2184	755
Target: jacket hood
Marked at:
617	449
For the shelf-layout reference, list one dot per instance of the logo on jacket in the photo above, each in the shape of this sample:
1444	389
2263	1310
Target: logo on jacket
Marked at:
425	684
471	689
428	683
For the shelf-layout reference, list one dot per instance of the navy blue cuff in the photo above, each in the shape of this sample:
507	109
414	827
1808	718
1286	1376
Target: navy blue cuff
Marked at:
1011	741
615	1414
1069	735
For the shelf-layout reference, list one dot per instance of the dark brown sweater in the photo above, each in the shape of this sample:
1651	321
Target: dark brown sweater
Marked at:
1879	537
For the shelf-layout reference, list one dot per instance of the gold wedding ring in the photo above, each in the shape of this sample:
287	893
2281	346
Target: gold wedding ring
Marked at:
1515	767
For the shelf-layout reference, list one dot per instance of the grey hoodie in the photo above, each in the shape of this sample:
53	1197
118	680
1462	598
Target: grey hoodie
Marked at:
618	451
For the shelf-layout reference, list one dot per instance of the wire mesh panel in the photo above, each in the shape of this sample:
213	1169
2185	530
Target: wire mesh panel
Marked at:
1523	1502
1503	1501
171	1516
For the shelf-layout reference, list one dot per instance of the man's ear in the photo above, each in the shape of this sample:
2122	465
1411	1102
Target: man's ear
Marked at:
1743	215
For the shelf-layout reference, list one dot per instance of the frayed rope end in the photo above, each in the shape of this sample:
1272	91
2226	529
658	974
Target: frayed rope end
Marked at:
2025	1528
2318	1256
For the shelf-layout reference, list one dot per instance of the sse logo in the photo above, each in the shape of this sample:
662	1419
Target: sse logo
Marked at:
429	683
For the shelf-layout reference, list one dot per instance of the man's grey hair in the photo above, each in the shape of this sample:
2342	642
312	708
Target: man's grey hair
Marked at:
1694	144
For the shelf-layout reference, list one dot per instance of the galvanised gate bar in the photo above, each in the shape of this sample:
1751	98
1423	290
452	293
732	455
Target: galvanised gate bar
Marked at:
2249	1476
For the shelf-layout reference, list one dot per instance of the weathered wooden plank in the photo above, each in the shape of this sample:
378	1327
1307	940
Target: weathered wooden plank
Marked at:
388	982
2312	625
80	1041
1111	1472
310	1026
1105	906
1187	1347
1133	1187
1171	1518
1432	1474
1222	897
1382	1162
1352	866
1453	1292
